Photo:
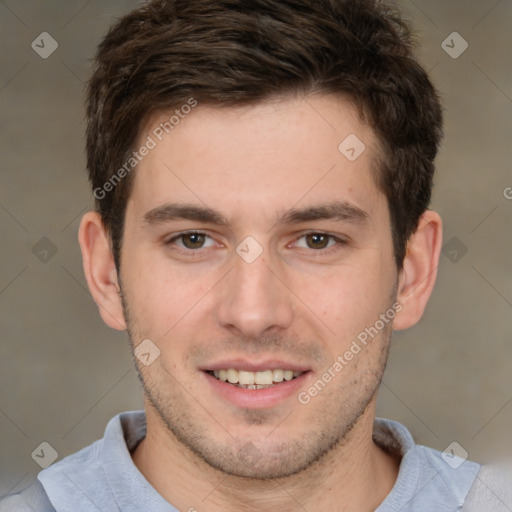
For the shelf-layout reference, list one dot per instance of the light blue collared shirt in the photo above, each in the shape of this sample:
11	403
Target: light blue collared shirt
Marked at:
103	477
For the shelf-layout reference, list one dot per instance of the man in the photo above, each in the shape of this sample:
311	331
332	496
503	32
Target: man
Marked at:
262	173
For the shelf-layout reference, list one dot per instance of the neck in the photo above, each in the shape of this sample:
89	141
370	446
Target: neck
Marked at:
353	476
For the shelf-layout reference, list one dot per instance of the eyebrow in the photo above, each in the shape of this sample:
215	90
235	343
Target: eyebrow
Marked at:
336	210
176	211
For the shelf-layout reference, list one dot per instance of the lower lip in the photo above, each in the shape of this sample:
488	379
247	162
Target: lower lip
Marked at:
257	398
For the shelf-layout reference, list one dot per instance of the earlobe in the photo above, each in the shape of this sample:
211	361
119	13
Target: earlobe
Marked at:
100	271
418	275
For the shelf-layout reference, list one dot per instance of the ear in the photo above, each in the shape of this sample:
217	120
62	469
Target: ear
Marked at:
418	275
100	270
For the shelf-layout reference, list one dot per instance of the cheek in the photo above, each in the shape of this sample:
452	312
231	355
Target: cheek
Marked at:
348	298
161	294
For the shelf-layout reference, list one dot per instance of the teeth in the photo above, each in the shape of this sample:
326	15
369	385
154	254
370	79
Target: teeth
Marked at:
263	377
252	386
247	378
232	376
255	380
277	375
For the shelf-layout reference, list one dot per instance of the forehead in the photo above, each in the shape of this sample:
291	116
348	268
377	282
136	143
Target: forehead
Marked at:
264	158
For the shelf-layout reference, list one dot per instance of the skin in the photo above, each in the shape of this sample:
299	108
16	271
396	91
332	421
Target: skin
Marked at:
298	301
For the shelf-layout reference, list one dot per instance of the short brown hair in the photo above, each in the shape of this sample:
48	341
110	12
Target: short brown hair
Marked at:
234	52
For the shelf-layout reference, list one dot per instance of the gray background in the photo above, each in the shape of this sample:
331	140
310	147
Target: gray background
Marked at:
63	374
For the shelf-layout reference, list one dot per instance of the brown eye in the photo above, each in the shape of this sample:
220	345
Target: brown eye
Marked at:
317	240
193	240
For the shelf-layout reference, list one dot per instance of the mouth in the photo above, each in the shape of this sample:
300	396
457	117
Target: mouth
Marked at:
255	380
256	385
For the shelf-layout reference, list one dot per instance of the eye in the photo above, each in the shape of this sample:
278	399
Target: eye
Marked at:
317	241
192	240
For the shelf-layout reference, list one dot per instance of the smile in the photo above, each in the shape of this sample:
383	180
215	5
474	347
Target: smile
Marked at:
254	380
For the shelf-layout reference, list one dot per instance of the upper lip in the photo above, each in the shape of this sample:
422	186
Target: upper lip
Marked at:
252	366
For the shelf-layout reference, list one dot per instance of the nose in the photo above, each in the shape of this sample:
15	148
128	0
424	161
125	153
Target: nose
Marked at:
253	300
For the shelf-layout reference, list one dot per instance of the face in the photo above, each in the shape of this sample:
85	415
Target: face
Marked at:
255	251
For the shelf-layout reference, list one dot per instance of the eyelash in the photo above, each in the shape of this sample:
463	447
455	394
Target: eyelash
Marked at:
328	250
